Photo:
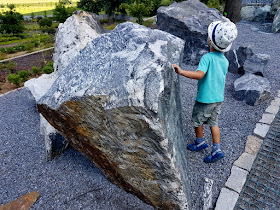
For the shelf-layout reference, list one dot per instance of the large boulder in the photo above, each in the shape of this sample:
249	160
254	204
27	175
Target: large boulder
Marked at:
275	5
252	89
71	37
189	20
248	13
276	22
262	13
118	103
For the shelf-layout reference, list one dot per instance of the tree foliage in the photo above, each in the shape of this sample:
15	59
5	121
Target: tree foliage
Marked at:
45	22
139	9
11	21
63	10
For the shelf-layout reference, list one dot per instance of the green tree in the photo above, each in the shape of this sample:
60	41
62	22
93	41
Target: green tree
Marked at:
63	10
139	9
11	21
96	6
45	22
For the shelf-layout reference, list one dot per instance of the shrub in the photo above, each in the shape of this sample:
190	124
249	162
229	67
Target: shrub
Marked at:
35	70
24	75
45	22
14	78
47	69
50	64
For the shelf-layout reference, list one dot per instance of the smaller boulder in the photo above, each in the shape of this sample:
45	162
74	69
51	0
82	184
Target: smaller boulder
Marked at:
248	13
237	59
276	22
262	13
252	89
256	64
275	5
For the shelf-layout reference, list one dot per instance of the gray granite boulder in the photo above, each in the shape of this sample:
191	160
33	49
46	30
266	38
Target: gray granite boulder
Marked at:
71	37
262	13
252	89
118	103
248	13
237	59
189	20
276	22
256	64
275	5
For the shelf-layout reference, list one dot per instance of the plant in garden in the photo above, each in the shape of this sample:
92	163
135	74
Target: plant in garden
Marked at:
47	69
35	70
11	21
15	79
45	22
24	75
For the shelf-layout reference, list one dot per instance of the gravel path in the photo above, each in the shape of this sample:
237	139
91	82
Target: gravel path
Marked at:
72	182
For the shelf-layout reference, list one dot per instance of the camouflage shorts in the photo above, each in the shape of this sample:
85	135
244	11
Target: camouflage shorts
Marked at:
206	114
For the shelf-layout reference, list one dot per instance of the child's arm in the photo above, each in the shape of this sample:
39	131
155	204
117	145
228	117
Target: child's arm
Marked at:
190	74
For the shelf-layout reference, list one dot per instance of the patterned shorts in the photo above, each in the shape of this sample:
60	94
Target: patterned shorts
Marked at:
206	114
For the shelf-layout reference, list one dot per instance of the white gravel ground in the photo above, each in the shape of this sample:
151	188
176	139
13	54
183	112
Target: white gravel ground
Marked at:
72	182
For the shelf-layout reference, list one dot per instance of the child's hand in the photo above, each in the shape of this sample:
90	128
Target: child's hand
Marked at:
176	68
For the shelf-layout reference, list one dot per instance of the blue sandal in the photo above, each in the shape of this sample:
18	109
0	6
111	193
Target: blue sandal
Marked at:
213	157
197	147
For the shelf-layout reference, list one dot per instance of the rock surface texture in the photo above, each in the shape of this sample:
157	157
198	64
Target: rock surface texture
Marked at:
118	103
256	64
248	13
71	37
276	22
262	13
189	20
252	89
275	5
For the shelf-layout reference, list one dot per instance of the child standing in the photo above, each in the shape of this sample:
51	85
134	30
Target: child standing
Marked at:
211	73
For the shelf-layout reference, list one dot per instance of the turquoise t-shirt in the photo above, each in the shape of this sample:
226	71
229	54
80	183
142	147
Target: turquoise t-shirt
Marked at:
210	89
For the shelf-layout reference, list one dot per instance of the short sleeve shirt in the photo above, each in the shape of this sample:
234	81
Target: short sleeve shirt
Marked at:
210	89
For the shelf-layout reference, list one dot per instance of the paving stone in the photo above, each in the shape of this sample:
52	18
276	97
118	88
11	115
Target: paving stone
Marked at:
236	179
253	145
276	102
245	161
226	200
267	118
272	109
261	129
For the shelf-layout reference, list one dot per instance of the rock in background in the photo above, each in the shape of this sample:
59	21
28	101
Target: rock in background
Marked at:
256	64
248	13
275	5
252	89
276	22
262	13
71	37
189	20
118	103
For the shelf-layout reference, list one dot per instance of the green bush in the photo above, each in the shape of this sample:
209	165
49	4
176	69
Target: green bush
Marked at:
45	22
48	30
50	64
35	70
47	69
24	75
14	78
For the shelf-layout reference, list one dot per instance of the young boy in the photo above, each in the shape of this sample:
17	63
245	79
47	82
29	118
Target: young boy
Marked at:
211	73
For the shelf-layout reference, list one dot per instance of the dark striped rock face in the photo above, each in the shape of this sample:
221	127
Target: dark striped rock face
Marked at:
118	103
189	20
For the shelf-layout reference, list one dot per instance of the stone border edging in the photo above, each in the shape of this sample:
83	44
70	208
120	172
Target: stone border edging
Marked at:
242	166
8	59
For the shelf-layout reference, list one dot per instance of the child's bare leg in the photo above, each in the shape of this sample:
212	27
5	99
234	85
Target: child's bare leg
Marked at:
215	131
199	131
199	143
